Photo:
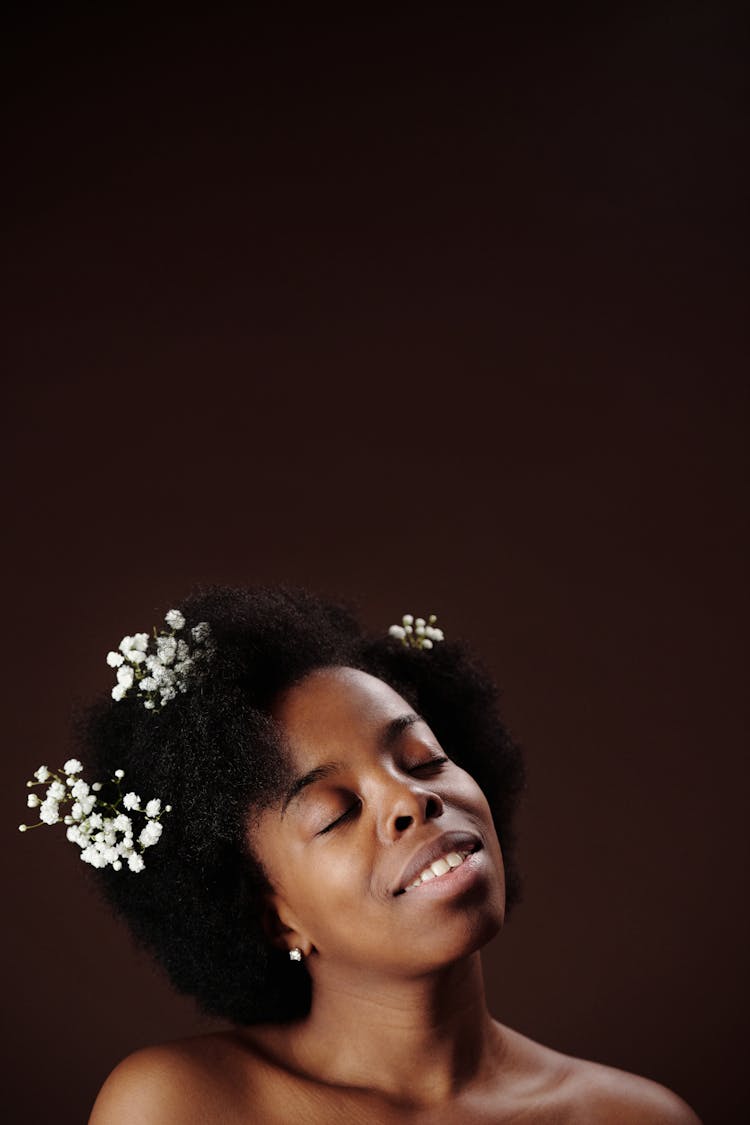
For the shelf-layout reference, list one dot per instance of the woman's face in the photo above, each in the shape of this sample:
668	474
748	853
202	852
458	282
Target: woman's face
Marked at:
374	804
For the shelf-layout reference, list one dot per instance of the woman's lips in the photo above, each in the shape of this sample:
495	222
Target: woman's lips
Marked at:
456	843
452	880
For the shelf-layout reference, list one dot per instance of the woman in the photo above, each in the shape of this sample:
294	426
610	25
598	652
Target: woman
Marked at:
337	850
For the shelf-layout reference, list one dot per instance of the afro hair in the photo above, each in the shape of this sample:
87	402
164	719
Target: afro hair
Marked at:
215	754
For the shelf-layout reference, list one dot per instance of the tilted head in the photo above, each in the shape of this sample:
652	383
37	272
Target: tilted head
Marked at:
304	774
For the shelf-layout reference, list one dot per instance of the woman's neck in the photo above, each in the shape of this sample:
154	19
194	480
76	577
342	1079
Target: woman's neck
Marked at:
418	1041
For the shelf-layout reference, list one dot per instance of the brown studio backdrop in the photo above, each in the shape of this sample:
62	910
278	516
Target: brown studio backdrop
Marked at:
440	317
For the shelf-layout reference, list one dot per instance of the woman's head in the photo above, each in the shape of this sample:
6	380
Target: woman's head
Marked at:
293	678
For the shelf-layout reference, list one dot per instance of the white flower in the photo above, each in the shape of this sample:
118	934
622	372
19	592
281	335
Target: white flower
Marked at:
166	648
33	801
140	642
119	692
42	773
407	619
183	649
119	774
87	804
131	800
153	808
397	631
150	834
125	676
420	623
135	863
49	812
56	791
72	766
96	786
93	856
80	789
76	812
95	820
426	643
149	704
201	632
122	823
174	619
114	659
148	683
117	865
167	693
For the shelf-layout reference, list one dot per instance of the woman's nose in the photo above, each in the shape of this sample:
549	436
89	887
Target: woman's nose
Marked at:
409	805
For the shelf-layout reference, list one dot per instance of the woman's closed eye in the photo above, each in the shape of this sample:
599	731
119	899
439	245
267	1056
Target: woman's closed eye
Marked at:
347	815
430	764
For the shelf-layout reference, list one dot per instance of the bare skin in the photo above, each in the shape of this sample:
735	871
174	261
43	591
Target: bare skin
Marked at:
399	1029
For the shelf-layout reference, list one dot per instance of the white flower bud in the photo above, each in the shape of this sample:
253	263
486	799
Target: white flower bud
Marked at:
22	827
33	801
407	619
420	623
42	773
135	863
131	800
114	659
119	773
426	643
397	631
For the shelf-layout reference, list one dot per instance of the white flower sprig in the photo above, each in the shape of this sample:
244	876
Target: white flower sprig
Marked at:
416	632
103	832
157	676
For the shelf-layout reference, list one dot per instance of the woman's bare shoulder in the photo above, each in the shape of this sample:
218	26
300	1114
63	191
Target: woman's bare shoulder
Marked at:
183	1081
593	1092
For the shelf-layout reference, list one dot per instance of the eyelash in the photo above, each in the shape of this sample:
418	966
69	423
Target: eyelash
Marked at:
431	763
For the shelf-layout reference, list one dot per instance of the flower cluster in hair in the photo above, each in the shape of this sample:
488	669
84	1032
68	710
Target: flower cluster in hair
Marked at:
158	675
417	633
101	829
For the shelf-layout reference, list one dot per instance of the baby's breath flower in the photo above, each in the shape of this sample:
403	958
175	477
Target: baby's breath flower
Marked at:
104	834
417	632
168	668
150	834
41	774
125	676
166	649
49	812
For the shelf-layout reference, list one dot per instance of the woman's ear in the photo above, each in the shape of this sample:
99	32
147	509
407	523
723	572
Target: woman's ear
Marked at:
281	926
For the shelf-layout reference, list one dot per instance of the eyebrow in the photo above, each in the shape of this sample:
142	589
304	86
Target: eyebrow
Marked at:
390	733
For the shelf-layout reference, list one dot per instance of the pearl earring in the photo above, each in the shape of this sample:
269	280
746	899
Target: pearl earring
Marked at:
295	954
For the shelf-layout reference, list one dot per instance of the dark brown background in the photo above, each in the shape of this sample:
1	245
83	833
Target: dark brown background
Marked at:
439	312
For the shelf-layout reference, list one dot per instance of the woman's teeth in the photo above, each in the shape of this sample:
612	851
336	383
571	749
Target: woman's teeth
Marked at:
440	867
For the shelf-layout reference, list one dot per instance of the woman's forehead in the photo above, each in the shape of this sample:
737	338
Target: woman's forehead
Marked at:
331	704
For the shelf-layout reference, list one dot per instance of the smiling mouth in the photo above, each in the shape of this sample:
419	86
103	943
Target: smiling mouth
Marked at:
441	866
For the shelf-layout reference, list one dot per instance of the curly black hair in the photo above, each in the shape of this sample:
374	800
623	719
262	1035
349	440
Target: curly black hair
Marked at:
215	754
